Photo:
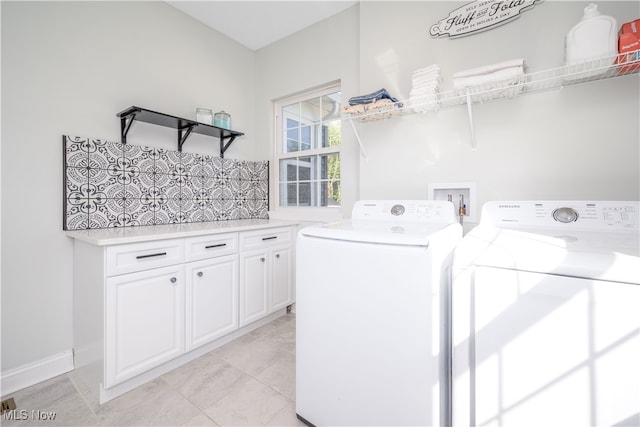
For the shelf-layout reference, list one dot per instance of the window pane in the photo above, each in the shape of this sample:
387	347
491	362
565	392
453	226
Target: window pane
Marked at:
310	111
304	197
305	168
334	134
305	138
330	193
291	171
291	123
330	166
291	112
331	107
291	140
291	194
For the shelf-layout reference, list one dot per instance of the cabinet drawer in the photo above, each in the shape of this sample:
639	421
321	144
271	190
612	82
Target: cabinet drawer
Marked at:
144	256
203	247
264	238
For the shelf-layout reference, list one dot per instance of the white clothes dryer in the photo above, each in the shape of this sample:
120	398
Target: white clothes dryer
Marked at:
371	308
546	316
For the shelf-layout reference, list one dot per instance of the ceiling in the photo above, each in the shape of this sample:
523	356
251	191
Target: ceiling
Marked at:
256	24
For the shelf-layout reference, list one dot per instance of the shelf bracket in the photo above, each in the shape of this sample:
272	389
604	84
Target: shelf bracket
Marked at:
355	132
125	125
224	146
183	137
470	113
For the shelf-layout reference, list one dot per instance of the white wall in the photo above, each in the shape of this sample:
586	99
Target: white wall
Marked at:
68	68
581	142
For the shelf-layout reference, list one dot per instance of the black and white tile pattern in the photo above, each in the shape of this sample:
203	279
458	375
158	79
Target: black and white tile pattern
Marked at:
108	184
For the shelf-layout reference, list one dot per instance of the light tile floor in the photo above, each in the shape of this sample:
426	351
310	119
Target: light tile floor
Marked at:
247	382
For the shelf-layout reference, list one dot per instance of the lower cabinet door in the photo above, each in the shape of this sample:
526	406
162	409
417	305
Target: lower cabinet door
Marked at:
254	302
212	299
145	321
281	283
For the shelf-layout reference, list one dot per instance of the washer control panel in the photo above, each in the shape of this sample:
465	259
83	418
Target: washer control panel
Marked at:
583	215
404	210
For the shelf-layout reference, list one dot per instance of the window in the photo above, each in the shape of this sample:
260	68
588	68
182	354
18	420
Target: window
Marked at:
308	149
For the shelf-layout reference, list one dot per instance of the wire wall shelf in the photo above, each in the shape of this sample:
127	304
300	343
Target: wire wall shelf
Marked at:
556	78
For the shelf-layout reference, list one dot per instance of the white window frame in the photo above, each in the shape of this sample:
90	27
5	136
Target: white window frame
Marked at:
307	212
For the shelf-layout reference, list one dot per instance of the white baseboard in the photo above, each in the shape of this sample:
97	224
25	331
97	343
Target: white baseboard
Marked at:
36	372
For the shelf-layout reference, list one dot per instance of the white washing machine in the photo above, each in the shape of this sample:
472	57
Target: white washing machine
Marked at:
546	316
371	303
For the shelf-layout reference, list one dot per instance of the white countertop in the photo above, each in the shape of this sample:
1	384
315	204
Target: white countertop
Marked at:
123	235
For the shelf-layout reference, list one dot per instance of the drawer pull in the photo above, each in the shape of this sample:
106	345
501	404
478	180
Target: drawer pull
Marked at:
151	255
200	274
219	245
270	238
173	280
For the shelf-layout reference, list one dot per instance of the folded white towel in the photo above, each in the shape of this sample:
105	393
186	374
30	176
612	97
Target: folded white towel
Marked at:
432	74
509	75
431	86
488	69
424	79
424	91
429	69
419	80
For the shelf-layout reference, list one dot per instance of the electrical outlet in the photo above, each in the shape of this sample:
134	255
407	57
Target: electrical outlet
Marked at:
459	191
7	405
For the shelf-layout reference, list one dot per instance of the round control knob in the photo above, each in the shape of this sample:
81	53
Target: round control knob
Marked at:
565	215
397	210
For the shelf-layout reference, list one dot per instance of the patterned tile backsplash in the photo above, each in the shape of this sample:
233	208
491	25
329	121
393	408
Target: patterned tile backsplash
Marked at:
108	184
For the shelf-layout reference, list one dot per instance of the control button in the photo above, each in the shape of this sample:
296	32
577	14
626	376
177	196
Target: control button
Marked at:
565	215
397	210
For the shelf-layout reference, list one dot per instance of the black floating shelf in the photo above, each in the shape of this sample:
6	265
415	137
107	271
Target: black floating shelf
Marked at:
184	126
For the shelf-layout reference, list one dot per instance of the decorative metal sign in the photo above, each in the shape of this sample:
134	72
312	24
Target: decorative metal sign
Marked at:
480	15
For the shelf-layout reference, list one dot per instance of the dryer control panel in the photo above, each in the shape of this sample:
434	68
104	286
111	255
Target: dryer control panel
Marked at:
575	215
404	210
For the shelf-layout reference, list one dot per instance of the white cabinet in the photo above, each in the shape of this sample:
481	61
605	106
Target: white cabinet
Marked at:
144	308
265	272
145	319
253	286
212	287
212	299
281	277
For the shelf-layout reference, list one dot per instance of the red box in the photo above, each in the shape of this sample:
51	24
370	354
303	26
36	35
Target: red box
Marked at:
629	45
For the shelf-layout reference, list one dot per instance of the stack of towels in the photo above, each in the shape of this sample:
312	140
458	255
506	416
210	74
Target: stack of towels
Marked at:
373	106
426	87
501	80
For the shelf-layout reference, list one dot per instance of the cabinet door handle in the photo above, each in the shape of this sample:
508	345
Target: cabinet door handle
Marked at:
262	259
270	238
151	255
219	245
173	280
200	274
277	255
